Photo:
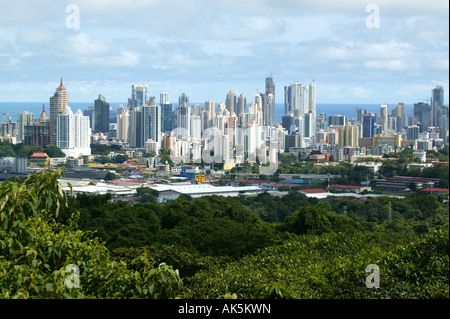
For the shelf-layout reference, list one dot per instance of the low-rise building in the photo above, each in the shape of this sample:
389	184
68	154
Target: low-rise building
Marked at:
350	188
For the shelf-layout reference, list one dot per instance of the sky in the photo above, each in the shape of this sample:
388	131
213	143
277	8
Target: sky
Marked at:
356	51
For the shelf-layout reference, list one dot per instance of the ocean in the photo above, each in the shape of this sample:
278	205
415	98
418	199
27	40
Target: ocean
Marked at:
13	109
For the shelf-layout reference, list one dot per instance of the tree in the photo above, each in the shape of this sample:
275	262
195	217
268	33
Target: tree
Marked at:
311	219
111	176
54	151
40	258
6	150
120	158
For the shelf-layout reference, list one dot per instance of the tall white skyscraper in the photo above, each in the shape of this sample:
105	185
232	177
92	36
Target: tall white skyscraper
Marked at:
73	133
312	97
164	98
269	102
123	117
383	119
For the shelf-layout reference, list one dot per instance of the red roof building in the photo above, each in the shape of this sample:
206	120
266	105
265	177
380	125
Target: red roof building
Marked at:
39	157
435	190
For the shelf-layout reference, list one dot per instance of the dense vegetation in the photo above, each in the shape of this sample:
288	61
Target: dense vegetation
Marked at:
22	150
257	247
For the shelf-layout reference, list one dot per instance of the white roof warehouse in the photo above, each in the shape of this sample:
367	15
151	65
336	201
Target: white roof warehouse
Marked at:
172	192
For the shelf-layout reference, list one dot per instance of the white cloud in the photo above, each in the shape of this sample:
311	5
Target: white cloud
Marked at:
392	65
81	44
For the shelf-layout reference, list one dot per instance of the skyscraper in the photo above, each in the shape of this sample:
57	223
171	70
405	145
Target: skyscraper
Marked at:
401	116
292	98
164	98
421	115
184	119
312	97
166	117
58	103
241	105
368	125
73	133
183	100
230	102
383	119
38	133
210	107
269	103
101	115
310	124
123	119
154	123
135	130
437	101
24	119
138	95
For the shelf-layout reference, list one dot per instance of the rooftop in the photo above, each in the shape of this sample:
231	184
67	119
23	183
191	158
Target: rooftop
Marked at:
434	189
313	191
346	186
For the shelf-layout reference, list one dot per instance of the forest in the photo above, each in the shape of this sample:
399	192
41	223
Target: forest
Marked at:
214	247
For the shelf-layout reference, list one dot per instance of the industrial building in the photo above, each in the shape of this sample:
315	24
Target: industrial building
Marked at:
169	192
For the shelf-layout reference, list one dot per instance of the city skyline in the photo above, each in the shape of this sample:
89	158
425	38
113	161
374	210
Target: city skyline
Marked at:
357	52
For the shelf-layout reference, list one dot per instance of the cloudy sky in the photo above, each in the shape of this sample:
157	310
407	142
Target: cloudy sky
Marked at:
357	51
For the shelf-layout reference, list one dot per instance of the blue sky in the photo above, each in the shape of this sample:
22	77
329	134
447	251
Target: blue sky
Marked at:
206	48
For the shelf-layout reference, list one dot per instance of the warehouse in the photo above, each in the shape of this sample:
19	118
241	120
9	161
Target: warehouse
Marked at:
169	192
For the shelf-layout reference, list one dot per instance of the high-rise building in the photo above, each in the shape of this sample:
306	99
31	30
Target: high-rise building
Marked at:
73	133
210	107
421	115
359	114
135	130
230	102
349	135
241	105
164	98
383	119
183	100
312	97
269	103
58	103
24	119
337	119
101	115
138	96
123	118
166	117
310	125
154	123
368	125
293	95
401	116
184	118
38	133
437	101
412	133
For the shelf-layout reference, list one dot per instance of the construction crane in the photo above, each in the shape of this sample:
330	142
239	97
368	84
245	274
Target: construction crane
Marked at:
4	116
